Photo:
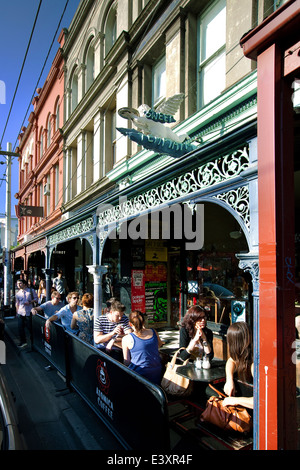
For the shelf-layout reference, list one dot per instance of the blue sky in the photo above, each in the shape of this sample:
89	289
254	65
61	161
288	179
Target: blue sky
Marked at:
17	19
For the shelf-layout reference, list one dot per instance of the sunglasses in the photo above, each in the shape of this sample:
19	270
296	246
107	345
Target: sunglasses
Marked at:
75	298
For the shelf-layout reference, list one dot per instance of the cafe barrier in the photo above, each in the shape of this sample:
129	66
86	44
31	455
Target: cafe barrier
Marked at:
50	342
134	409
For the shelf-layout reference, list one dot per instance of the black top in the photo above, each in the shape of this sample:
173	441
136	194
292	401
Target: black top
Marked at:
184	340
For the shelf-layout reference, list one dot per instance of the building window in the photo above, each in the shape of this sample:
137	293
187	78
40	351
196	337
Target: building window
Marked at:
41	197
57	117
211	52
49	131
42	143
56	194
89	66
113	136
110	29
159	81
74	91
47	194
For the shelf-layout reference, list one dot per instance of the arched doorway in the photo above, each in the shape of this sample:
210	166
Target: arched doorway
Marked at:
36	264
162	277
73	257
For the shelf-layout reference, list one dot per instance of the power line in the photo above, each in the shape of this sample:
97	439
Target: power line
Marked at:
28	46
45	62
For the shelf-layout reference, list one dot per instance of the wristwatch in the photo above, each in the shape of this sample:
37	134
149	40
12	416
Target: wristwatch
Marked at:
205	343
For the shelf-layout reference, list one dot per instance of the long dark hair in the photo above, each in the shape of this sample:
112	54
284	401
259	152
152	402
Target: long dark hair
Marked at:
239	339
194	314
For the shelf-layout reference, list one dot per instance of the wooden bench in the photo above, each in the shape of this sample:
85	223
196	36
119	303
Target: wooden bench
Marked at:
184	416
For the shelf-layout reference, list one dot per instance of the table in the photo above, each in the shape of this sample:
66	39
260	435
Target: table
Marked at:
214	374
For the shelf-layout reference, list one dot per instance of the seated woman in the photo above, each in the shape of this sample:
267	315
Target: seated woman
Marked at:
140	349
240	362
194	335
84	319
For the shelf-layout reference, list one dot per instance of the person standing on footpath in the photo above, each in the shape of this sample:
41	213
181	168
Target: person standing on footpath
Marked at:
59	284
25	300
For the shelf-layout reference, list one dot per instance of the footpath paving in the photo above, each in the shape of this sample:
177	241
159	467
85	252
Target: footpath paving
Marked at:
50	416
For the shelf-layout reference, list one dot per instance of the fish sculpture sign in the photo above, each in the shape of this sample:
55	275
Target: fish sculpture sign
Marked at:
151	131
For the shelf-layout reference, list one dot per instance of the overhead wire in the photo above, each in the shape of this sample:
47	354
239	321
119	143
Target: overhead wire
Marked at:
38	80
20	75
44	65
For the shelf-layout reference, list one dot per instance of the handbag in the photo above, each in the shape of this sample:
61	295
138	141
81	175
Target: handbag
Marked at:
230	418
173	383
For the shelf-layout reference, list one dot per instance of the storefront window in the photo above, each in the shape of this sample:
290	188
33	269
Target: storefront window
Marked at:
215	281
162	278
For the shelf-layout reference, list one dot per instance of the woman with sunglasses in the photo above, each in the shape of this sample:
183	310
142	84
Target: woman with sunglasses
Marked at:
194	336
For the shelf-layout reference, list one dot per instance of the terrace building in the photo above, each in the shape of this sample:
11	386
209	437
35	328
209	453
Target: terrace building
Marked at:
168	211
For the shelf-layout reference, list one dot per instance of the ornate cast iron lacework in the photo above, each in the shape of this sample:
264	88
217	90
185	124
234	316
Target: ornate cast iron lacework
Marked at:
207	175
238	199
72	231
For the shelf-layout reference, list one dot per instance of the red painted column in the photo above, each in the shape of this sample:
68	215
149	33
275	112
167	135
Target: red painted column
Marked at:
277	388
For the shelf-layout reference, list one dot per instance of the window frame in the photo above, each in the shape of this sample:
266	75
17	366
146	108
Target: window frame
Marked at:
158	68
219	53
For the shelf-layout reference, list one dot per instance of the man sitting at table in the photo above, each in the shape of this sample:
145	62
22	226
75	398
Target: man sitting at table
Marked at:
109	330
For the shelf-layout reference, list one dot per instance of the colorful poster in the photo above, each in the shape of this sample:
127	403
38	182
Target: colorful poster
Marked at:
156	301
138	290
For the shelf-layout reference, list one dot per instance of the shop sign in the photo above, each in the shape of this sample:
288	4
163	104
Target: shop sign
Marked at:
155	251
138	290
29	211
102	390
152	133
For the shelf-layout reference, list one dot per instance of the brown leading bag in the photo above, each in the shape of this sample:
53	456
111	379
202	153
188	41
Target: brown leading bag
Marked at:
234	418
175	384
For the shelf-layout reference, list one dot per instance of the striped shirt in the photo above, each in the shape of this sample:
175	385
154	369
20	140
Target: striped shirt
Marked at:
104	325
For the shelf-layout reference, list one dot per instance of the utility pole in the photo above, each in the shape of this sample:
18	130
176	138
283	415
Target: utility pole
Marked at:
7	273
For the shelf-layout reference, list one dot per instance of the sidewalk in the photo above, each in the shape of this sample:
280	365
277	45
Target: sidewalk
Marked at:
50	416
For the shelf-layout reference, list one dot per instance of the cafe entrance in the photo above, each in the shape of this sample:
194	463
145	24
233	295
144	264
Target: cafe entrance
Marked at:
163	278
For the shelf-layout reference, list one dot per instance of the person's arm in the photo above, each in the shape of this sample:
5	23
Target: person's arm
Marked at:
126	350
247	402
229	388
36	310
32	296
100	337
160	342
51	319
184	341
207	342
188	343
17	304
74	321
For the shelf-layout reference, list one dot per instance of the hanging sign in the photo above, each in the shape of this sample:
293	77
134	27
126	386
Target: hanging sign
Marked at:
29	211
